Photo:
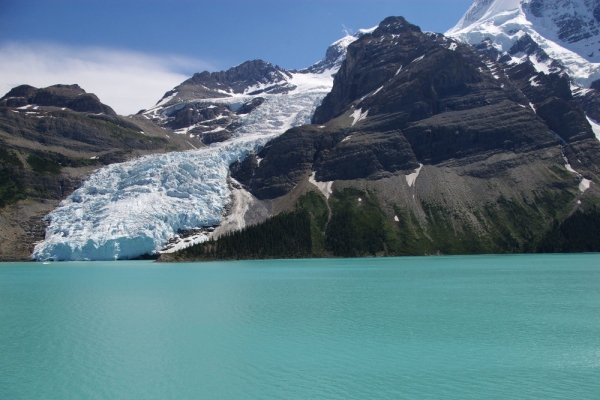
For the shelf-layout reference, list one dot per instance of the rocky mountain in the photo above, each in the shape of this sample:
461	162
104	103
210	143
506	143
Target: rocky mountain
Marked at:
63	96
50	140
550	37
190	108
398	142
165	202
428	145
567	33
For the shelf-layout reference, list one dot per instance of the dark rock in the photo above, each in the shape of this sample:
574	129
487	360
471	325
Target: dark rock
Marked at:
289	157
214	137
25	91
366	155
428	101
250	105
235	80
70	96
192	113
243	171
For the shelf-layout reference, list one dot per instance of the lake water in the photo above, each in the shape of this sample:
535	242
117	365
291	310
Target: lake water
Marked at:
493	327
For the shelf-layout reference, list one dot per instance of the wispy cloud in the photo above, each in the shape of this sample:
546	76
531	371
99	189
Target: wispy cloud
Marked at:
125	80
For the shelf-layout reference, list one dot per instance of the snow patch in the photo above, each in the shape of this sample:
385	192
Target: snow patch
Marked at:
452	46
595	127
532	81
358	115
324	187
584	185
396	218
165	100
411	178
418	59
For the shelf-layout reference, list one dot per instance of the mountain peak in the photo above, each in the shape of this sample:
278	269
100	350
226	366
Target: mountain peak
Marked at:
394	25
567	31
70	96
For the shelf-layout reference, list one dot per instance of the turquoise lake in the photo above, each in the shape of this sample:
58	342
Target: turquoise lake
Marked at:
472	327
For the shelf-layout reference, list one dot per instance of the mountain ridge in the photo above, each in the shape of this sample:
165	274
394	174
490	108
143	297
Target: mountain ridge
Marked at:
409	142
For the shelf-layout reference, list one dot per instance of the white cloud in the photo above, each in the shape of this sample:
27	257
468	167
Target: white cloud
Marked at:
125	80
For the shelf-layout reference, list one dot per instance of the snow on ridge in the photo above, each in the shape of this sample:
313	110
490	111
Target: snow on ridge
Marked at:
324	187
412	178
595	127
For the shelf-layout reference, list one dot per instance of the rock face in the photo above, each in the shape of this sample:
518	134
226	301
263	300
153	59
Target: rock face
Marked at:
403	98
446	139
251	77
69	96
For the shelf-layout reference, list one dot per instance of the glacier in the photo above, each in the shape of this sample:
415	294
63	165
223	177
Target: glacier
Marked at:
133	208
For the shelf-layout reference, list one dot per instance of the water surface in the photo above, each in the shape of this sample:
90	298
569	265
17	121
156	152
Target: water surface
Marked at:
523	326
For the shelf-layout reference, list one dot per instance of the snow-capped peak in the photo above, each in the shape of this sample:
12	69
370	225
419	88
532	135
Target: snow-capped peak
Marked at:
568	31
336	53
482	10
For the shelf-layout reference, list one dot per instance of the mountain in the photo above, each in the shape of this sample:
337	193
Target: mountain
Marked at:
424	145
164	202
398	142
567	33
545	37
50	140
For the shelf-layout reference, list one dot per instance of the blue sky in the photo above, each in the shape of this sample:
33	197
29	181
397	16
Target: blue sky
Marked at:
130	52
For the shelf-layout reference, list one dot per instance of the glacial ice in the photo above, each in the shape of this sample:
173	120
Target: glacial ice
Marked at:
129	209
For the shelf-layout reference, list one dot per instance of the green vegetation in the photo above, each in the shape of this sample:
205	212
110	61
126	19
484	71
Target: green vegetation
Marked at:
11	187
285	235
314	203
580	232
9	157
358	226
41	164
53	163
